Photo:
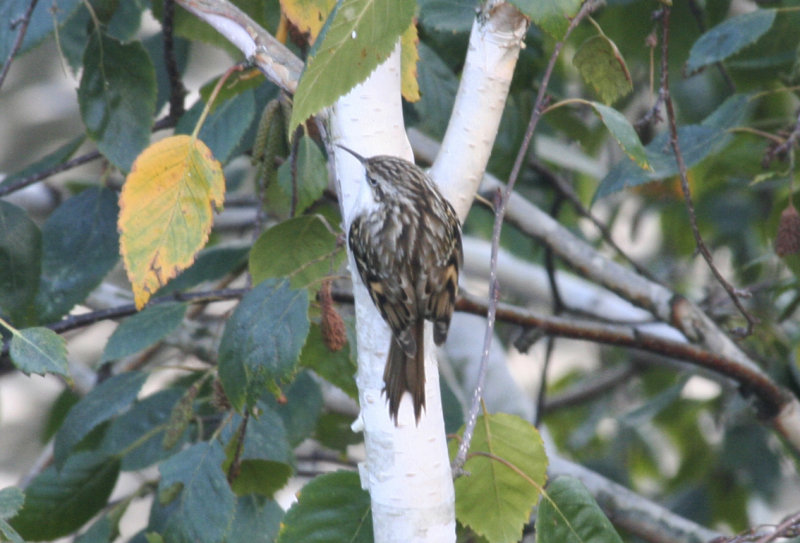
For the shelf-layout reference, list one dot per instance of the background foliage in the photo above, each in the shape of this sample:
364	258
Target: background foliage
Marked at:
213	440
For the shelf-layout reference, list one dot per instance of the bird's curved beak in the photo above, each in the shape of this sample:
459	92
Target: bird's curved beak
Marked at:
360	158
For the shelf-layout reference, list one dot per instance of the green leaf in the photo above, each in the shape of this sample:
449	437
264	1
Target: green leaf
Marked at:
58	412
729	37
334	431
312	175
59	156
20	257
696	142
496	499
117	97
257	520
655	405
301	409
265	438
205	504
105	401
601	65
46	15
39	350
225	126
261	477
264	456
338	367
623	132
437	86
73	36
143	329
126	19
447	15
571	515
59	502
147	417
11	500
262	341
332	507
301	249
359	35
9	533
102	531
181	415
80	245
774	53
552	16
211	264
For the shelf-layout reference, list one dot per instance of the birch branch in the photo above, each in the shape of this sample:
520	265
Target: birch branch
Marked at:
274	59
665	305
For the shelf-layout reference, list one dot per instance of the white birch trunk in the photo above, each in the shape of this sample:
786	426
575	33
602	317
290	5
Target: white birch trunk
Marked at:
407	469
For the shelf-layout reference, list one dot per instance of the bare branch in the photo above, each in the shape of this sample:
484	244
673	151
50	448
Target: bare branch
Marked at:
687	195
541	100
274	59
23	28
771	398
44	174
177	90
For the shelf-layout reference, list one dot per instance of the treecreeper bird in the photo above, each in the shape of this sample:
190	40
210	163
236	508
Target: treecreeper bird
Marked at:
406	241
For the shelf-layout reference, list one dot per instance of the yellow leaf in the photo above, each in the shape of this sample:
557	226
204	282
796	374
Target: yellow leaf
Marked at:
166	211
408	63
308	15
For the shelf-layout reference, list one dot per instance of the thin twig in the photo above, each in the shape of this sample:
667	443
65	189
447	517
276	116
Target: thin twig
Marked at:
494	295
653	114
236	464
23	28
788	528
567	192
687	195
558	308
44	174
540	104
770	397
786	145
177	90
293	167
85	319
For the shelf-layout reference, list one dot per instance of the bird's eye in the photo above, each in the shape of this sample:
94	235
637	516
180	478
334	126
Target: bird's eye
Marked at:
372	181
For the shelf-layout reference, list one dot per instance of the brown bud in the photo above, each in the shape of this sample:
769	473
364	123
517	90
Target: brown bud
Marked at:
788	240
334	333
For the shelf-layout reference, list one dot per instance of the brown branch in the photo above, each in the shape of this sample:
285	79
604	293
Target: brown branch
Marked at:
23	28
177	90
682	169
44	174
770	397
790	527
500	209
273	58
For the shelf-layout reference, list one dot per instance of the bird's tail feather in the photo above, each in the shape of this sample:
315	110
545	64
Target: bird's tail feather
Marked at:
406	373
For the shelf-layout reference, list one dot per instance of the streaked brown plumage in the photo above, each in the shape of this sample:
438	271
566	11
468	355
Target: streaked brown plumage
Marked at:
407	248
